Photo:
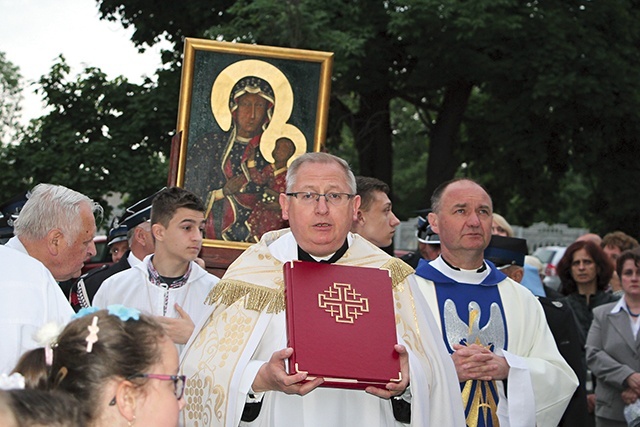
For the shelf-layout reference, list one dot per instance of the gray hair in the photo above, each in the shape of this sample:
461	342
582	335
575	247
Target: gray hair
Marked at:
49	207
320	158
131	234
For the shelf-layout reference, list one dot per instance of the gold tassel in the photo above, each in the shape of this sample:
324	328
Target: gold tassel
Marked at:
257	298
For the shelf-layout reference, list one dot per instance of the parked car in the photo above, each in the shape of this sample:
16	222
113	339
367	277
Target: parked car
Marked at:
550	256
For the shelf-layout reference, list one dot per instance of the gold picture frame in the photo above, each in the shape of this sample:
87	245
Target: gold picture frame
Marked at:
245	108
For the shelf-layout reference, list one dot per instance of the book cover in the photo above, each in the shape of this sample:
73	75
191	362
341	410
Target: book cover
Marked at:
341	324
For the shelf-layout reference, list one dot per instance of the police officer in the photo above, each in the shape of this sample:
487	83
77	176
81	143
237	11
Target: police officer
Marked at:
117	241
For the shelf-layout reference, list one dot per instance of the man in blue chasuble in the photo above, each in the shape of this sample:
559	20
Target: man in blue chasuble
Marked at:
509	368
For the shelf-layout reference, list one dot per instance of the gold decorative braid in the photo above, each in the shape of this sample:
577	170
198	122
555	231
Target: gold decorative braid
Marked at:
399	271
483	405
257	298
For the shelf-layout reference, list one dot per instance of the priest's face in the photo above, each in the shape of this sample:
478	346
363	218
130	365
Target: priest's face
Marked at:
319	226
463	220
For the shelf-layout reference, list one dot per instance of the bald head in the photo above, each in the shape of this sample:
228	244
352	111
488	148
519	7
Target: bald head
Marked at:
462	217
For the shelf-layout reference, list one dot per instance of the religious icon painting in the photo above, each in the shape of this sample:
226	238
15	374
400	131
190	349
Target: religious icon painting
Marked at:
245	113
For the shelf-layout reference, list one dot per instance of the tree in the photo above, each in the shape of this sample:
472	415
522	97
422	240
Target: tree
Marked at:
354	33
98	138
410	162
520	93
10	98
567	109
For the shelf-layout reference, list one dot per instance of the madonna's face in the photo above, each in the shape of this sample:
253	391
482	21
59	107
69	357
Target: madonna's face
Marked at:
250	114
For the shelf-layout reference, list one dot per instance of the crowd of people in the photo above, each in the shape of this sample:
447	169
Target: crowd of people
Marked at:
156	340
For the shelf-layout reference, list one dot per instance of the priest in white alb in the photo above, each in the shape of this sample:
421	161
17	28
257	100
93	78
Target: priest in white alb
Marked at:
510	370
235	360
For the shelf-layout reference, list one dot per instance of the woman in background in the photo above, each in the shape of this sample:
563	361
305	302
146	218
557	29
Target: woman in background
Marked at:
613	346
584	272
501	227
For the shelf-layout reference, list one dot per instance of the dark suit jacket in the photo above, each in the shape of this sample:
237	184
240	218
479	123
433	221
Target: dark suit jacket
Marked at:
93	280
570	342
612	355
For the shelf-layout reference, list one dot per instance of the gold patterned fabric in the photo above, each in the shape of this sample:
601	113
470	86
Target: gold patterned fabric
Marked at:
251	293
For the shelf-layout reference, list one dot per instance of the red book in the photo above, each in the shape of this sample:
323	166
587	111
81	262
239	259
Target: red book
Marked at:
341	324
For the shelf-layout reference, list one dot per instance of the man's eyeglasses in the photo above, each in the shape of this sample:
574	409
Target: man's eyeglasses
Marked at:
335	199
178	381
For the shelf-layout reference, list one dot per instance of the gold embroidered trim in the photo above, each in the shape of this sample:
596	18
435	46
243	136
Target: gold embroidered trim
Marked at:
399	269
257	298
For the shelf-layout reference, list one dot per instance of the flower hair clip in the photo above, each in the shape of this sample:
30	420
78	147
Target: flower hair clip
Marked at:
92	338
14	381
84	312
46	337
118	310
124	313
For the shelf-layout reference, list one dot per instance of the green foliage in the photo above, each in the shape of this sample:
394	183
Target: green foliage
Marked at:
555	101
96	140
410	160
10	98
537	100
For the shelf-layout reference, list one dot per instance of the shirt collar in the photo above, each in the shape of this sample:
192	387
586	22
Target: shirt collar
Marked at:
461	276
621	305
285	248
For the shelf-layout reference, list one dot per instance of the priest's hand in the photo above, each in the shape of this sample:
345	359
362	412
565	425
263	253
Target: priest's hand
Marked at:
475	362
272	376
180	329
394	388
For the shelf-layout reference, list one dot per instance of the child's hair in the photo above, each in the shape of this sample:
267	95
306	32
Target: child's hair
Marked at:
30	366
38	408
169	200
123	348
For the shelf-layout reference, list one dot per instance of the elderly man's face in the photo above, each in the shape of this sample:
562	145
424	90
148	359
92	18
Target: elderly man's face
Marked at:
320	228
73	251
464	219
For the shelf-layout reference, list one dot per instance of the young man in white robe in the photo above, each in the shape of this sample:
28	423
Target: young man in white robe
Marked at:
169	283
53	237
235	361
510	370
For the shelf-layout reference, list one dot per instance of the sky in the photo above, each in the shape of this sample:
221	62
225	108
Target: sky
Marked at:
34	32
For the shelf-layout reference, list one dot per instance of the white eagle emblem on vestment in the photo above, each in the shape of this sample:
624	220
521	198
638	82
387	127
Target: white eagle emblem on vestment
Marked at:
458	332
480	398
